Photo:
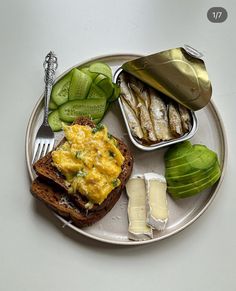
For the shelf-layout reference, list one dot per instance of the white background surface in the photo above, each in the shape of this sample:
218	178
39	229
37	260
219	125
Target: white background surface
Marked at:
35	253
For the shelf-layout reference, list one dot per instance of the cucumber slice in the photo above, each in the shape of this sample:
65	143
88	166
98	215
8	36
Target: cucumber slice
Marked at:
93	108
60	90
96	93
107	86
52	105
87	72
54	121
99	78
80	85
115	94
101	68
96	120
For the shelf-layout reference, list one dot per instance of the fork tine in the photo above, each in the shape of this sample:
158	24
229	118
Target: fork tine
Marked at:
35	151
45	149
41	145
50	146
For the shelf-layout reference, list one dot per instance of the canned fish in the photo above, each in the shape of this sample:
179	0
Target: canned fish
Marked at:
153	120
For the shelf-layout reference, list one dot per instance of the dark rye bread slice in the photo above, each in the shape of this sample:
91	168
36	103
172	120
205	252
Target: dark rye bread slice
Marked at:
57	200
46	170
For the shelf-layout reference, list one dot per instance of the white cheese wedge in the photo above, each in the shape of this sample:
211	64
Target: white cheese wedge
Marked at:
138	228
156	201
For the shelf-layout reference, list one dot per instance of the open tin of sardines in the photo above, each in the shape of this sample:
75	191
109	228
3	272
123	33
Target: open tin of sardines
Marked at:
159	95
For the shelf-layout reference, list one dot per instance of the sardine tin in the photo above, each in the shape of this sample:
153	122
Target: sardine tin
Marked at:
179	73
158	145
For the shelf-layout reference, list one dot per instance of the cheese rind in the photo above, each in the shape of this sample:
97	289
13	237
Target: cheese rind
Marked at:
156	200
138	228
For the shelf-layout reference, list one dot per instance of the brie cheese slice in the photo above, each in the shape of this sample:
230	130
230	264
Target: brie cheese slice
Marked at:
138	228
156	200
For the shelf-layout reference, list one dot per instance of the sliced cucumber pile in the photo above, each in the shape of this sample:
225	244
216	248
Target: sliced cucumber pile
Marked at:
190	169
86	91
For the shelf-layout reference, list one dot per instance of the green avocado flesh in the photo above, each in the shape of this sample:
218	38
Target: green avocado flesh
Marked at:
191	177
190	169
198	156
178	151
195	190
194	184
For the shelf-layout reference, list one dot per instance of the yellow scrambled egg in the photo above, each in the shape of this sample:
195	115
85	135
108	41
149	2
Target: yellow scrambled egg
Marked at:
90	160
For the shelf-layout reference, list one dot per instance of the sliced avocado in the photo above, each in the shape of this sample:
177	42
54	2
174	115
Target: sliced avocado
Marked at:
196	190
191	155
178	150
204	160
191	177
206	181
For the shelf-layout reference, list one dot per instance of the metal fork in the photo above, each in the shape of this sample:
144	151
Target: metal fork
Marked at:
44	141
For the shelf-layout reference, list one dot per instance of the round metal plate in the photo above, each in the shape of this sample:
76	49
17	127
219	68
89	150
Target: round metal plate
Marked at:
113	227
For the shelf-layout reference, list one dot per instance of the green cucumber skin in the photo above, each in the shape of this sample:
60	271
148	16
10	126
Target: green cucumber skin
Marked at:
99	78
54	121
96	92
101	68
80	85
107	86
116	93
52	105
85	70
93	108
60	90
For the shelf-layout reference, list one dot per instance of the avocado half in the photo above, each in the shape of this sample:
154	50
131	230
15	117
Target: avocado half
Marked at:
190	169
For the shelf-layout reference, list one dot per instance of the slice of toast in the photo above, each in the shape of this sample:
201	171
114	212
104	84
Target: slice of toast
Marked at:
57	200
51	186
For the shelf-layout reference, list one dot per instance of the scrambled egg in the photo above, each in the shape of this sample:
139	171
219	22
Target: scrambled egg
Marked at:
90	161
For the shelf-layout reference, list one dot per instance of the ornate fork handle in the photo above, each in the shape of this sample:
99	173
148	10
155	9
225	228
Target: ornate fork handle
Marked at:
50	65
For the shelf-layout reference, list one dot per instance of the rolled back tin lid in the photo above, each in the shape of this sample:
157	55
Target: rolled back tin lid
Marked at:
178	73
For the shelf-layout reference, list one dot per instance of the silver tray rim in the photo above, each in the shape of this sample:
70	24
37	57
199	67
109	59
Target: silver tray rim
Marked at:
128	243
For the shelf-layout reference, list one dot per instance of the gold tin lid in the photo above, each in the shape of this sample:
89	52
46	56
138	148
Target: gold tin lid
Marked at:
179	73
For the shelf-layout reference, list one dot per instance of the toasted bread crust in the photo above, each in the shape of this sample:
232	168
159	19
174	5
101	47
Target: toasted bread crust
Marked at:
54	198
50	187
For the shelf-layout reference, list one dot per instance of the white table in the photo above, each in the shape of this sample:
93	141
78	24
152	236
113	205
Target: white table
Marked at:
35	253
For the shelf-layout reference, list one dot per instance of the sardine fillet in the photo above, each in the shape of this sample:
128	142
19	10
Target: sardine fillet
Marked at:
159	117
174	120
146	122
185	118
132	120
127	93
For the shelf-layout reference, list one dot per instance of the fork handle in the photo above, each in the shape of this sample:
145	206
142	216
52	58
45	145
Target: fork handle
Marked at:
50	65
